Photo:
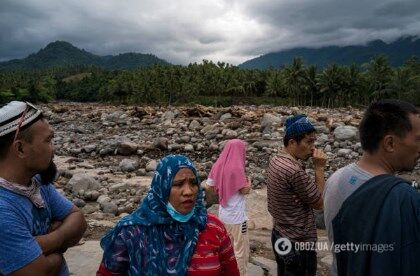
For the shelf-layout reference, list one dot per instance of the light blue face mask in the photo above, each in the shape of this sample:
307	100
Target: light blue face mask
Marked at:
177	215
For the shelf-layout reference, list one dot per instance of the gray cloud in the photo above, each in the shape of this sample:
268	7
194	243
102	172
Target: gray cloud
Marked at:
186	31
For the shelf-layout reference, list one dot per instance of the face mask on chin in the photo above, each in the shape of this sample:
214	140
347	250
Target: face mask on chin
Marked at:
50	174
177	215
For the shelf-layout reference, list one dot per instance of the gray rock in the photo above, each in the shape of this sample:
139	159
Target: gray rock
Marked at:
141	172
66	173
230	134
79	202
189	148
225	117
92	195
90	208
151	166
119	187
161	143
268	265
327	148
344	152
194	125
127	148
346	133
83	259
322	138
175	147
89	148
106	151
184	139
200	146
322	129
109	208
170	131
114	117
75	151
214	146
266	144
103	198
255	270
82	182
270	119
168	115
210	131
128	165
354	154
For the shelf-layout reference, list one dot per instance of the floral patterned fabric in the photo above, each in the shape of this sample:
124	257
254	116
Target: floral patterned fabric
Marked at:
213	253
159	245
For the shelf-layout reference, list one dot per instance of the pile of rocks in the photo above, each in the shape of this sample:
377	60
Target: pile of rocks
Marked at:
108	153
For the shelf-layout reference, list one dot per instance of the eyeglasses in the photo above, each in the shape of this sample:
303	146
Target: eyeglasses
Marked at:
22	118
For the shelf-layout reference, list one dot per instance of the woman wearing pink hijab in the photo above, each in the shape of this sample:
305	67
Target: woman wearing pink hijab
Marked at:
227	177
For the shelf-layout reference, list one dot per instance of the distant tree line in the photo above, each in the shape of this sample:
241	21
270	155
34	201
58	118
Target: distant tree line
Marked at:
219	84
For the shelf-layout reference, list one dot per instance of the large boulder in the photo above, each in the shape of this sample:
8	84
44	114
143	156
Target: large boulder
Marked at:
270	119
83	182
127	148
128	165
346	133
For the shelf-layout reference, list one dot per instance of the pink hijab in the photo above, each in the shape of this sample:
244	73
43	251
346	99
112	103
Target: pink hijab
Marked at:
228	172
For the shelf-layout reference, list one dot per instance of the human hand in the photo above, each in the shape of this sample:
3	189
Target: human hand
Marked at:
249	181
319	158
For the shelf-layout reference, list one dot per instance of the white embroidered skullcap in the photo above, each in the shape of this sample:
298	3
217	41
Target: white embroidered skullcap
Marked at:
11	114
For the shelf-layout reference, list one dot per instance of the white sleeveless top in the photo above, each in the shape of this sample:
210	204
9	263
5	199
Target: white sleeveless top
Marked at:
235	210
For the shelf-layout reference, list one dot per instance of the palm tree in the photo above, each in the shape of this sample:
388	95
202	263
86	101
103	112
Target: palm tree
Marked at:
310	82
294	79
379	74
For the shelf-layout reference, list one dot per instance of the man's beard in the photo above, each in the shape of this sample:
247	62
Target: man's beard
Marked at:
49	175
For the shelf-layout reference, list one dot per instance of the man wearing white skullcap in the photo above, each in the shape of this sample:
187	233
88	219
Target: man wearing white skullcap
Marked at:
37	224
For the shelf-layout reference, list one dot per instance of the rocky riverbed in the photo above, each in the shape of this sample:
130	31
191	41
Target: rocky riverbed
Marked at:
107	154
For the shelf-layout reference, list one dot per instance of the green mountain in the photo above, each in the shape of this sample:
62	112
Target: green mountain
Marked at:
61	53
397	53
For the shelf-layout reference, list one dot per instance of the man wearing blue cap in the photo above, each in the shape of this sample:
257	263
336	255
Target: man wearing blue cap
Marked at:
292	196
37	224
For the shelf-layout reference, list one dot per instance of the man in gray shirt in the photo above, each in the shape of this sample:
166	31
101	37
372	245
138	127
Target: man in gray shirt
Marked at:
338	187
390	138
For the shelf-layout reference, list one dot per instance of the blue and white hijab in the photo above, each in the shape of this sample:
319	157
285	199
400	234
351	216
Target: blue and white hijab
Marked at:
158	225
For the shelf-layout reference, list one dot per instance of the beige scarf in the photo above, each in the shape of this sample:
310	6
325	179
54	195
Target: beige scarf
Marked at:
32	192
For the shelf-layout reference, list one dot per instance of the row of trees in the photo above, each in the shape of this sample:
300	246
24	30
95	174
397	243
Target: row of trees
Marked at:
219	83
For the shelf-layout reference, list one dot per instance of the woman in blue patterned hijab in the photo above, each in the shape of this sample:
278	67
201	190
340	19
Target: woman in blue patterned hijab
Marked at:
158	221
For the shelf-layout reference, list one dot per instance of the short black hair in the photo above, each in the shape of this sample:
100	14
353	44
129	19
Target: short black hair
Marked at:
7	140
382	118
297	138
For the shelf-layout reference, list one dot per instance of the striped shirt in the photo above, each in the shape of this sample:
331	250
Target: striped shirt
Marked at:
285	178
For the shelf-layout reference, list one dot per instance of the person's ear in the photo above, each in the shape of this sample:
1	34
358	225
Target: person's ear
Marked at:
18	148
292	142
389	143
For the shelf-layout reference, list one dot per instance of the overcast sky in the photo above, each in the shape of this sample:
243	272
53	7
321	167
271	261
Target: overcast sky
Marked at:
184	31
